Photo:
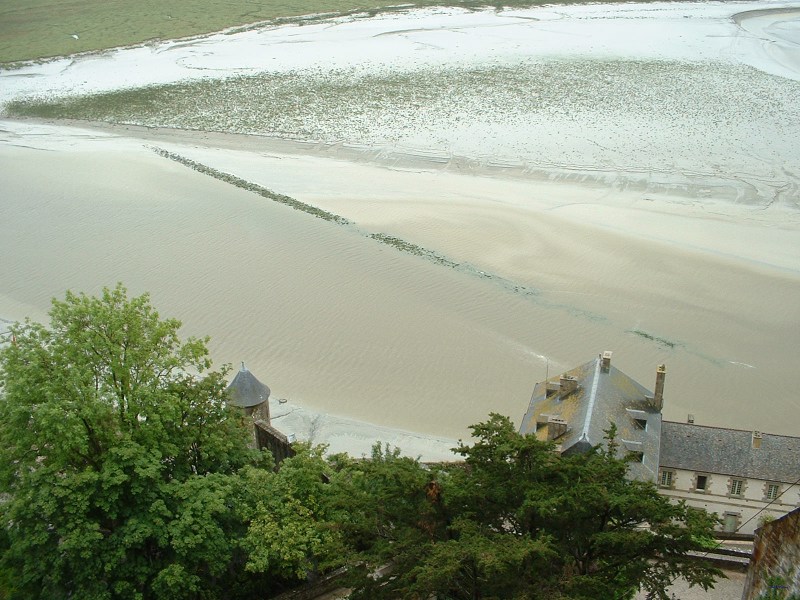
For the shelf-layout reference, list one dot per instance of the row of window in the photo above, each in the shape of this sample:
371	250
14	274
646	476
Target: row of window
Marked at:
735	488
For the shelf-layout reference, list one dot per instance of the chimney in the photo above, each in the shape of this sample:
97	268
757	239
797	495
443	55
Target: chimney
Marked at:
556	427
567	385
606	361
690	418
658	393
756	440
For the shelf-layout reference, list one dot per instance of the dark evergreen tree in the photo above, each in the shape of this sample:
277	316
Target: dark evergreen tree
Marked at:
516	520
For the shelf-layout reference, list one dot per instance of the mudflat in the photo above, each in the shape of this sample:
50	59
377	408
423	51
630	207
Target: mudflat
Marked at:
543	263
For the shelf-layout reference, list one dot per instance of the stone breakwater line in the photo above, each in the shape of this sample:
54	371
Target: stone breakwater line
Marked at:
252	187
383	238
409	248
396	243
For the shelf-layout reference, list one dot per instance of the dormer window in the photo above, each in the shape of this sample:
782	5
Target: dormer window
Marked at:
636	456
639	418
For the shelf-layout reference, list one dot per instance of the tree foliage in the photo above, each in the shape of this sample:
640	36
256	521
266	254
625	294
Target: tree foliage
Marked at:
516	520
124	474
118	456
292	529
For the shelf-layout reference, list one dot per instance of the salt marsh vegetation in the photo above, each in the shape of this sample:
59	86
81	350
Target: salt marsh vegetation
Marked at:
648	119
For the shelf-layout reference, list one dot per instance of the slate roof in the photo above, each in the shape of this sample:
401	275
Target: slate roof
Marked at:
246	391
730	452
601	398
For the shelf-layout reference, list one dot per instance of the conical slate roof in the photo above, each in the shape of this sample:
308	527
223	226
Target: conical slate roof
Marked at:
245	391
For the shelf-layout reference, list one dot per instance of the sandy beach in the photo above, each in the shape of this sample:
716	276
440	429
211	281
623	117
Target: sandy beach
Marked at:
687	253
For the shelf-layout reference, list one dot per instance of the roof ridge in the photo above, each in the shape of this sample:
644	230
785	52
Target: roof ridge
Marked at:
665	421
592	398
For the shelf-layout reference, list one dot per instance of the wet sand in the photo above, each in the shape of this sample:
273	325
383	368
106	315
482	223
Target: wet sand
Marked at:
562	262
343	325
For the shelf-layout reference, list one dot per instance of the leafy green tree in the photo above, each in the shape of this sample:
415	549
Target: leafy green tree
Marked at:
292	531
388	513
118	457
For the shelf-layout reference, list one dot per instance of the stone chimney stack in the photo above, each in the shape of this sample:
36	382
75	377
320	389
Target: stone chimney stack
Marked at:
556	427
567	385
606	361
658	393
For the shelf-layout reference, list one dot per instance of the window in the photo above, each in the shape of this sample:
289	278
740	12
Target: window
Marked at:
773	490
736	487
702	481
635	456
666	479
641	423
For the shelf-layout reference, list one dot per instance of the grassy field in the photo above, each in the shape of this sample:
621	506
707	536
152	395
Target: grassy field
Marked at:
34	29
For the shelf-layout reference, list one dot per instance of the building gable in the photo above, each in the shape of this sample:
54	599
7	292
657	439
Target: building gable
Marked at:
578	407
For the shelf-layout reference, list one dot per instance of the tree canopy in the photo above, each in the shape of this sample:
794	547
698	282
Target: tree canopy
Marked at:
121	464
125	474
517	520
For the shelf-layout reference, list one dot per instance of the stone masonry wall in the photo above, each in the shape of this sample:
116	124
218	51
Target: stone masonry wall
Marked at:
776	560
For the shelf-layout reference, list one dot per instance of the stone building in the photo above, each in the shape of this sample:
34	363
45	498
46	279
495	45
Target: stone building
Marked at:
740	475
576	408
736	474
247	393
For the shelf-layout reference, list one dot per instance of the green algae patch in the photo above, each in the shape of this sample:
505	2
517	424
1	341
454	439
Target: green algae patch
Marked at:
654	338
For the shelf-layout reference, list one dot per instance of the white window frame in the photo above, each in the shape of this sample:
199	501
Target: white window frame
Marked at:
665	478
776	487
737	483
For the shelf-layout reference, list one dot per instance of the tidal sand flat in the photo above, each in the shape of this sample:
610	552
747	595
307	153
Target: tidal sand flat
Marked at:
681	247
